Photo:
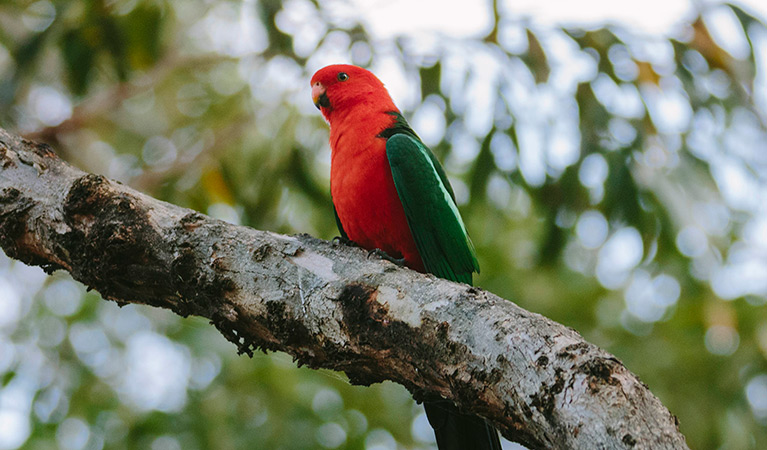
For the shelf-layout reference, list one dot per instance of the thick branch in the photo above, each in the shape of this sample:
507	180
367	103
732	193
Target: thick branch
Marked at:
327	305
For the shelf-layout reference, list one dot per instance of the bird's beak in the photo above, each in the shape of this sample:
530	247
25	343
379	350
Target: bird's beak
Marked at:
319	96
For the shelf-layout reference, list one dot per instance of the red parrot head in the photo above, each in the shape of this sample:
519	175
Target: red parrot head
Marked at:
341	87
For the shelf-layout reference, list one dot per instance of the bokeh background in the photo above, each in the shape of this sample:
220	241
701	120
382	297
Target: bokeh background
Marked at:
612	173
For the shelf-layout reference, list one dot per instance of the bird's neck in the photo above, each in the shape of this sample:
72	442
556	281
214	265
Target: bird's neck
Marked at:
359	126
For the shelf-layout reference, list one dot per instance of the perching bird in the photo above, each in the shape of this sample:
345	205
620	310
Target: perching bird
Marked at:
390	193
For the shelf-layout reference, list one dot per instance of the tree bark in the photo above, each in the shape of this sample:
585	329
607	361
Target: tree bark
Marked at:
329	306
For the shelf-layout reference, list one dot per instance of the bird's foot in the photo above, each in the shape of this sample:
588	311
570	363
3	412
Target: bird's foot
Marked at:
383	255
345	241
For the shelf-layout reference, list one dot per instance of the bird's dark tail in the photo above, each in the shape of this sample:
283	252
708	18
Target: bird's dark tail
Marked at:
457	431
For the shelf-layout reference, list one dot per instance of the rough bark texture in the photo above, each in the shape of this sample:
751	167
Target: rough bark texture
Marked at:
328	306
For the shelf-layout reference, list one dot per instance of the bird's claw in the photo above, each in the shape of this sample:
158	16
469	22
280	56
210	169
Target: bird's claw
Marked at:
345	241
383	255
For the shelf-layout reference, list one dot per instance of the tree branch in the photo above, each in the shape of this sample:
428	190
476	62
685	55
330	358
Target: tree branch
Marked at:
329	306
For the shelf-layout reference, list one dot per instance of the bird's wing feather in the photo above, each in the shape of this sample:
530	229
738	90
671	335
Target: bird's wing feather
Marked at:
338	222
438	231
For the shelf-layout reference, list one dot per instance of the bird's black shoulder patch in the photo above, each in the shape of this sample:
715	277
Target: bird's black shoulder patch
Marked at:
399	126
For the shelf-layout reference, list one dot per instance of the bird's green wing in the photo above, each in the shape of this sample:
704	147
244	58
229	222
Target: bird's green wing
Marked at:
423	189
338	223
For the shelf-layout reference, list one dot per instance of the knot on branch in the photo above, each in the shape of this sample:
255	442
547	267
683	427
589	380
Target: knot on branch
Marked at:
14	214
112	241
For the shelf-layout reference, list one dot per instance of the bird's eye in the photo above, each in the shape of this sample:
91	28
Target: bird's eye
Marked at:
342	76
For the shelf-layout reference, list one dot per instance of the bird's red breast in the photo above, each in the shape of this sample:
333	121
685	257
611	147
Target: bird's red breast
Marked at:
357	107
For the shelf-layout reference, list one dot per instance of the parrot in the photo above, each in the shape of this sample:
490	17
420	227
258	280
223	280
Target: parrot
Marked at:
391	196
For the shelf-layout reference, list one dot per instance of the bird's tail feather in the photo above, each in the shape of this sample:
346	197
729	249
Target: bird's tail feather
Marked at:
457	431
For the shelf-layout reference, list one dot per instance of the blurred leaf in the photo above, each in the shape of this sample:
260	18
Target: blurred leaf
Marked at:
25	56
27	53
647	73
142	29
113	39
552	242
535	58
430	77
621	199
704	43
492	37
279	42
216	186
484	166
746	19
749	23
593	117
682	72
7	377
78	56
600	41
662	230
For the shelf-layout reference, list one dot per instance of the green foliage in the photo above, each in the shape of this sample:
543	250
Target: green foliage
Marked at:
611	181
